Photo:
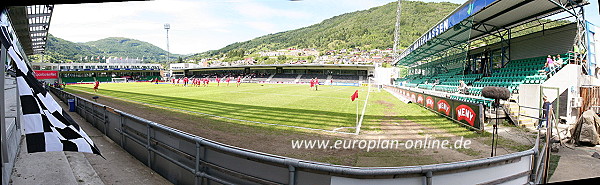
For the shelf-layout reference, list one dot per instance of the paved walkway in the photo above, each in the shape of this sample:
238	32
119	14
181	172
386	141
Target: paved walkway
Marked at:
119	167
576	163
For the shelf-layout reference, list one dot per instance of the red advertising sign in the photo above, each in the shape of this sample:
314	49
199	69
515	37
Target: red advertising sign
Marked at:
443	106
45	74
464	112
429	102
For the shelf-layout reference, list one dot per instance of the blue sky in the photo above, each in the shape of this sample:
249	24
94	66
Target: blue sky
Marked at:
201	25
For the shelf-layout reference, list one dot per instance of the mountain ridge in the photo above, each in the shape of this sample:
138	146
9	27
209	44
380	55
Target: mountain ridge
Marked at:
366	29
61	50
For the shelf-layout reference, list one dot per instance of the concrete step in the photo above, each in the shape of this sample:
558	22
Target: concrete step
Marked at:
528	125
517	111
513	105
525	120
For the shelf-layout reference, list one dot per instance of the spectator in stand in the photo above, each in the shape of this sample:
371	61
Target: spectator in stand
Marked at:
555	65
549	66
463	88
559	62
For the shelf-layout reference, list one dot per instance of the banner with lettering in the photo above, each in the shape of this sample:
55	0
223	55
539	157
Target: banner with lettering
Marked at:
460	111
41	74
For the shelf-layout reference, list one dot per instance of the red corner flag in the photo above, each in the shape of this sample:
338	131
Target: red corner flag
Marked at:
354	96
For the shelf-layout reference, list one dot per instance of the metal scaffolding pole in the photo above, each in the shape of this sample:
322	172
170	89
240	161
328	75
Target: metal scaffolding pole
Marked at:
397	30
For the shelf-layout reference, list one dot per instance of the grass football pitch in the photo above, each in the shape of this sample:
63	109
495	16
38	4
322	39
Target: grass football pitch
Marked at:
283	104
248	115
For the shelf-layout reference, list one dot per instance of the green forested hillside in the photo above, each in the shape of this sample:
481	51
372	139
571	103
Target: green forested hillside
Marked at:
367	29
60	50
125	47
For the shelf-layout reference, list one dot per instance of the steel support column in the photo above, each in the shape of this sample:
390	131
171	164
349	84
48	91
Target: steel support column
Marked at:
3	59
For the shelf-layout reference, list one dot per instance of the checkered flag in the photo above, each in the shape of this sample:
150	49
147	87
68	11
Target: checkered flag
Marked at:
47	126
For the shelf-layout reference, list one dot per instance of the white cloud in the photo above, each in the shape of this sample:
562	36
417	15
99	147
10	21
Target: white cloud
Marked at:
257	10
138	20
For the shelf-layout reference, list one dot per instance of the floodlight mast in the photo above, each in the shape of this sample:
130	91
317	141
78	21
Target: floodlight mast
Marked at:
167	27
397	31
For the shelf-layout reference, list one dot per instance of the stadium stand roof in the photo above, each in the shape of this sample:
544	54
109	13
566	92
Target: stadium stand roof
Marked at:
480	18
31	24
337	66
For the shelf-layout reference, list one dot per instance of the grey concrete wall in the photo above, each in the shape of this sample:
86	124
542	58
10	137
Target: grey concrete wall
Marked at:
549	42
568	82
13	132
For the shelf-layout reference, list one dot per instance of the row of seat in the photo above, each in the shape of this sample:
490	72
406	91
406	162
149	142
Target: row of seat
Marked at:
503	79
451	83
519	70
457	80
537	66
425	86
475	91
535	79
411	85
485	101
476	76
516	73
537	60
446	88
511	86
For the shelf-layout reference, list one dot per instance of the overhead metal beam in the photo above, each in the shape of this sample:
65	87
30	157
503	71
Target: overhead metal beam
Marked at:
38	24
462	24
39	31
39	15
507	10
563	7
